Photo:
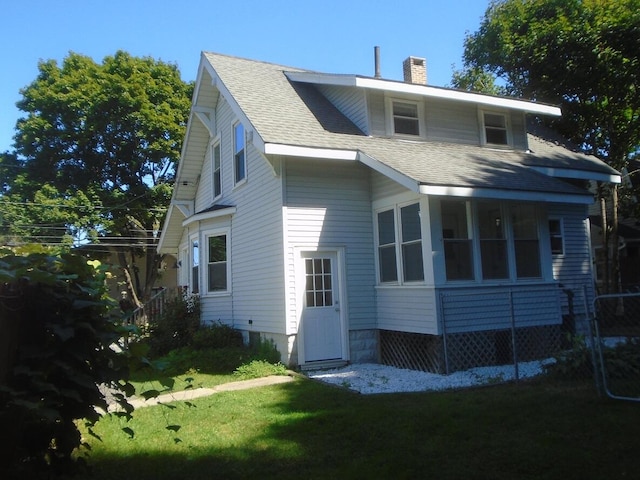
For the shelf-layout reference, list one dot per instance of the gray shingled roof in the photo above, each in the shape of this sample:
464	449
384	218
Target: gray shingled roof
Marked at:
283	112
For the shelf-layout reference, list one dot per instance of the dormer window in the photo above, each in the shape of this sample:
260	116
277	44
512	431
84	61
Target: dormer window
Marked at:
404	117
495	129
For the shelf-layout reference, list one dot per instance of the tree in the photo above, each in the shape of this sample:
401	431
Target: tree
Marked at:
581	54
99	144
475	79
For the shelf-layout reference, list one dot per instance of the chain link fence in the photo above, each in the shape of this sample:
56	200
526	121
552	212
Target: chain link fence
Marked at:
515	334
617	330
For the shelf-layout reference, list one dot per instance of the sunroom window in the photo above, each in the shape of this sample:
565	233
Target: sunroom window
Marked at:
456	237
387	246
400	244
493	244
507	244
412	265
525	241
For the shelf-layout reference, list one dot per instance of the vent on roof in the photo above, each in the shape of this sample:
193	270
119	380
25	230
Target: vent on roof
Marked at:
415	70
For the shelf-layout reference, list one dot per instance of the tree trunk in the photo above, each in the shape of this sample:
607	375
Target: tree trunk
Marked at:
605	242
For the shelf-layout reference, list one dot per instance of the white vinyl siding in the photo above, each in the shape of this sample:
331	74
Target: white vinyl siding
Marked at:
407	309
327	205
486	308
573	269
351	102
256	292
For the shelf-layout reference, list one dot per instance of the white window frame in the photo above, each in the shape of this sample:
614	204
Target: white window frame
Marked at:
390	117
194	261
483	128
399	243
239	181
204	277
216	145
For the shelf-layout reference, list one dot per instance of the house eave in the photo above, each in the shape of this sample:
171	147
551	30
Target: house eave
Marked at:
425	91
207	215
516	195
578	174
309	152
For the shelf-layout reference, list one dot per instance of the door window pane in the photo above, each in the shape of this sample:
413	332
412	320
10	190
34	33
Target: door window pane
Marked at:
318	284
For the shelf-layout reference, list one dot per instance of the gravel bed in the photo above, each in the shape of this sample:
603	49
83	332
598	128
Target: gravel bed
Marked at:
369	378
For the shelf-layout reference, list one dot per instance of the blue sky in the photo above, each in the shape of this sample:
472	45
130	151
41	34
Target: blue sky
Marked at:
331	36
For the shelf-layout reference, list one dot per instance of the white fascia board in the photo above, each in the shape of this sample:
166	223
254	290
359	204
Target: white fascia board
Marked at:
425	91
445	93
209	215
389	172
171	212
309	152
469	192
578	174
217	83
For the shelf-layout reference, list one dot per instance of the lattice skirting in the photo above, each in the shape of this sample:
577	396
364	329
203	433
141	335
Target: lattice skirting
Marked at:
467	350
414	351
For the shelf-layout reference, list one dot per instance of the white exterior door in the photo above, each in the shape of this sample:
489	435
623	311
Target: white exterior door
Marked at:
322	329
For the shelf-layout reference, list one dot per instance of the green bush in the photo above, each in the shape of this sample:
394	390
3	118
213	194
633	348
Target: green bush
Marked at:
176	326
216	335
57	336
259	369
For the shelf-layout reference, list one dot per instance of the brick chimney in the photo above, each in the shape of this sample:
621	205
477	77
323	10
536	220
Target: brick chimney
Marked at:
415	70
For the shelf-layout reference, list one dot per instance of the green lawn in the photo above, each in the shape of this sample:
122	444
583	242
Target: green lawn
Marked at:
308	430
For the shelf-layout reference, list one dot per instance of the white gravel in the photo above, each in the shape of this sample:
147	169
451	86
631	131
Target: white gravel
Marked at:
369	378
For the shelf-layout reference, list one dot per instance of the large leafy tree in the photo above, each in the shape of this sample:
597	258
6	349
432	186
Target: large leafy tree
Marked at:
96	154
581	54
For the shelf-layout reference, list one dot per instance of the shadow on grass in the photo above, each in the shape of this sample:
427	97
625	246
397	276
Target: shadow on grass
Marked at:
308	430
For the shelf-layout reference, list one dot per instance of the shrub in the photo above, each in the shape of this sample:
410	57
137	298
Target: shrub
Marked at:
55	319
259	368
216	335
176	326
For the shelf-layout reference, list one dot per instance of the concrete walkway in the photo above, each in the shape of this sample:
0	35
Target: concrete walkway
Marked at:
186	395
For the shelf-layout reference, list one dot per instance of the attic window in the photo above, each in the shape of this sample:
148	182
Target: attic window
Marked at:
495	129
406	120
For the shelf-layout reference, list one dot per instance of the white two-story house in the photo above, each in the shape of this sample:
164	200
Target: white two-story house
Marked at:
357	219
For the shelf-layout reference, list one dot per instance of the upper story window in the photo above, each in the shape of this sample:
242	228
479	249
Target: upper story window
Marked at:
404	117
239	157
400	244
495	129
215	167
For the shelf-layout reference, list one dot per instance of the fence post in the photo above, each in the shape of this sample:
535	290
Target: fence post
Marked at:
444	335
514	349
595	354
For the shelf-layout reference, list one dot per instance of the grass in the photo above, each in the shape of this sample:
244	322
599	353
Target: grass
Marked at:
304	429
